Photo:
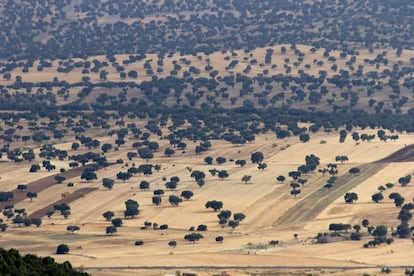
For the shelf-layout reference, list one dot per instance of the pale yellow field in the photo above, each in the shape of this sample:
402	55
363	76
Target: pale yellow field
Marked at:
263	201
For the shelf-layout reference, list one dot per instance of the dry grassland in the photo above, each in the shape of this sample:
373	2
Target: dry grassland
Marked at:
264	202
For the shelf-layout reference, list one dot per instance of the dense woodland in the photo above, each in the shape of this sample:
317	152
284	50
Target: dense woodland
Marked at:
70	28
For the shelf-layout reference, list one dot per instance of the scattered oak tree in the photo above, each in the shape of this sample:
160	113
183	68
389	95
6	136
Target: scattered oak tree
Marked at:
108	183
214	204
62	249
350	197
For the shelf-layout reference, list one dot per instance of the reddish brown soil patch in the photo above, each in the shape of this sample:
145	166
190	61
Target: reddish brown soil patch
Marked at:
41	184
73	196
405	154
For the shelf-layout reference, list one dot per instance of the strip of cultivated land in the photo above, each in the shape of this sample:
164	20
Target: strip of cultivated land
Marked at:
72	197
309	207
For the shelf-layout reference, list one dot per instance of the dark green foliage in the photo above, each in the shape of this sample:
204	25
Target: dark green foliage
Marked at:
163	226
380	231
312	162
174	200
234	223
240	162
3	227
225	214
257	157
246	178
354	170
106	147
59	179
239	216
144	185
117	222
139	243
339	227
377	197
31	195
156	200
158	192
350	197
208	160
405	214
202	227
198	175
342	136
13	263
187	194
72	228
403	230
355	236
193	237
398	199
124	176
108	183
37	222
110	230
145	153
295	192
131	208
262	166
21	187
62	249
294	174
219	239
214	204
34	168
108	215
169	152
281	178
404	181
171	185
146	169
221	160
88	175
223	174
273	242
304	137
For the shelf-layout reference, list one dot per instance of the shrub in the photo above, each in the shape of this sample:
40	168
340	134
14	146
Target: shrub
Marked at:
138	243
202	227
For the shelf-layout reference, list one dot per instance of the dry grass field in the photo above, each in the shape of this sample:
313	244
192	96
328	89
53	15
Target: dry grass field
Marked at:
312	63
134	74
271	212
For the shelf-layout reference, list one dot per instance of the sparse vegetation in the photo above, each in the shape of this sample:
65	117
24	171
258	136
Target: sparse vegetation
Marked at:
148	97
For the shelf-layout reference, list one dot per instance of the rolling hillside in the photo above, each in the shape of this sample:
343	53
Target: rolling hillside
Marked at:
124	124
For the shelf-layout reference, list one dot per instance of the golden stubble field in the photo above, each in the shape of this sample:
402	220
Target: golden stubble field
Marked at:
263	200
